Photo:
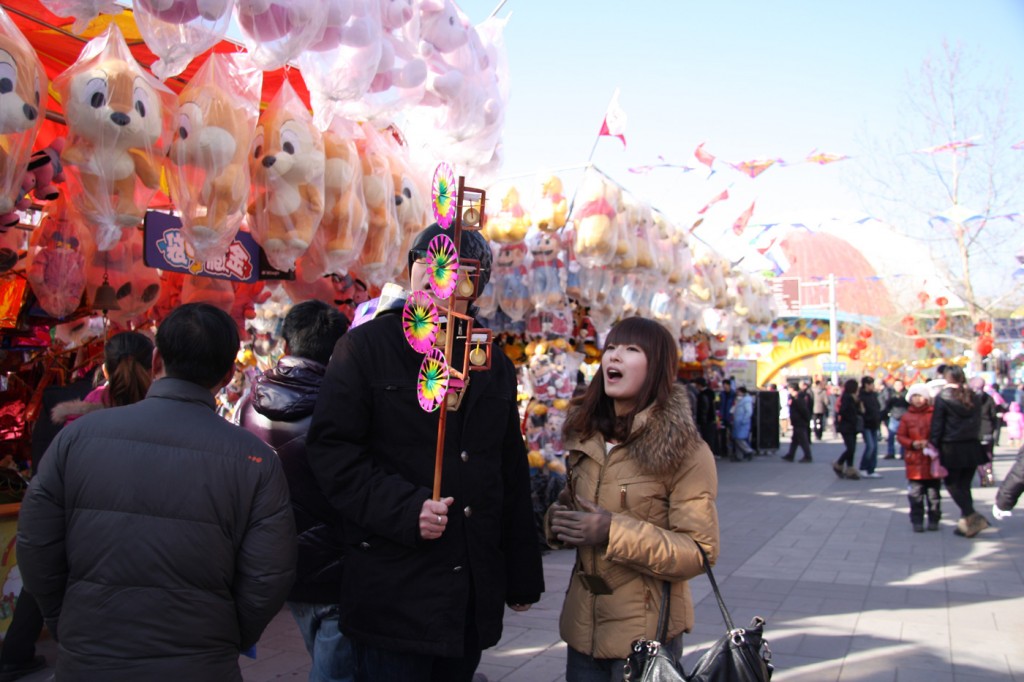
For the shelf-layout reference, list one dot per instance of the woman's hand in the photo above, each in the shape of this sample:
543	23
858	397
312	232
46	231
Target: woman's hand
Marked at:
434	517
584	528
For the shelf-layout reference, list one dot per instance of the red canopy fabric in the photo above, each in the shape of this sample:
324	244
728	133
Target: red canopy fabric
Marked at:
58	48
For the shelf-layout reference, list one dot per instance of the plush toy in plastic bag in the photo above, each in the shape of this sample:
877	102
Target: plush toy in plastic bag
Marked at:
340	65
546	269
411	198
287	165
82	11
551	211
208	169
22	110
136	286
119	124
383	237
509	224
343	230
510	272
44	173
213	290
179	30
597	220
278	31
57	257
400	67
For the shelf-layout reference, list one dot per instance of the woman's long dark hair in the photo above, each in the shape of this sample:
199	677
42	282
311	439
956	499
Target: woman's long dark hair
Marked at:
594	412
128	359
957	384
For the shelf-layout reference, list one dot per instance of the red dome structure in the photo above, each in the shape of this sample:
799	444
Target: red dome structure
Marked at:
813	256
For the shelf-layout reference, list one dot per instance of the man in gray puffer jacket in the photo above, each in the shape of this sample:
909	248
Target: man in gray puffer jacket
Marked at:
157	538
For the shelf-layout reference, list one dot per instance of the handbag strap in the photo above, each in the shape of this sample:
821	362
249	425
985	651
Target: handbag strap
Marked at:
662	630
714	585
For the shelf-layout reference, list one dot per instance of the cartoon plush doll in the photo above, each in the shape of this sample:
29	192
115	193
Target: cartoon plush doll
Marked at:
118	125
209	170
344	224
57	268
513	294
21	112
546	270
597	222
383	235
287	166
398	67
552	209
40	180
510	224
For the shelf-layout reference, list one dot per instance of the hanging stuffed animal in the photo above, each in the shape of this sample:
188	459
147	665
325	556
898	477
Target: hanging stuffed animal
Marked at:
511	272
546	270
383	236
21	113
177	31
344	225
208	171
57	256
287	168
118	128
552	209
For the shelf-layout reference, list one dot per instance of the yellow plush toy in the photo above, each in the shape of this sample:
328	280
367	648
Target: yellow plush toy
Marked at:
597	222
287	166
210	151
553	209
510	224
344	224
118	120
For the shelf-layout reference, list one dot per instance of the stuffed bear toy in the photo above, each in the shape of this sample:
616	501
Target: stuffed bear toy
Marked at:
118	120
287	166
344	225
383	234
21	114
209	178
43	172
597	222
510	224
552	209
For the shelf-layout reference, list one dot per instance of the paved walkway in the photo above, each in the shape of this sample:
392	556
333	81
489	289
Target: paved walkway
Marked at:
848	590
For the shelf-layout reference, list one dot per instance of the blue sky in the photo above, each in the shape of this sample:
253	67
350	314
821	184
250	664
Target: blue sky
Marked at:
749	79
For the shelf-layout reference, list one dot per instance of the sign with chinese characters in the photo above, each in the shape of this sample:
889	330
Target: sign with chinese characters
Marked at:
166	249
786	291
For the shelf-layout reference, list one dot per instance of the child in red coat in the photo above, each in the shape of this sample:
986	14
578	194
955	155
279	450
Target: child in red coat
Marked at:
923	488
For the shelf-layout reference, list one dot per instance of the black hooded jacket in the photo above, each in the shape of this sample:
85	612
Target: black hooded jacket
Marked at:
955	430
279	411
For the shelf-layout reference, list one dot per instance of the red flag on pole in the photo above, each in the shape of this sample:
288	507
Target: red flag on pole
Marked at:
703	156
721	197
614	124
741	222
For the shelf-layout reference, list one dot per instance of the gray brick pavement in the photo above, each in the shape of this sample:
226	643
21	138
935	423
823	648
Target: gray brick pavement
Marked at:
849	592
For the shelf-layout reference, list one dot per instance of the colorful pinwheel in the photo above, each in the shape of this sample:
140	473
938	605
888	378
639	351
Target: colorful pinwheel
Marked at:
443	194
443	261
432	383
419	321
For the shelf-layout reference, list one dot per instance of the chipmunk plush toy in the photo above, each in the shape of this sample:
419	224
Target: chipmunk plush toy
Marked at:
118	124
344	224
287	167
209	171
21	112
383	234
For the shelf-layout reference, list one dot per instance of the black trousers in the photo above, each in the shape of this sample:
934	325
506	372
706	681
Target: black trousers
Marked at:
924	495
850	448
26	624
958	483
819	424
802	440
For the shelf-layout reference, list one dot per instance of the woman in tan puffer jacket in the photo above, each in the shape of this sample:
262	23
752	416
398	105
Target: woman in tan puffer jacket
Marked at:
640	494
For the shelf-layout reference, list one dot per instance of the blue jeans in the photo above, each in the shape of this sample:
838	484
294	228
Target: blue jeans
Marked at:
869	458
330	650
894	426
377	665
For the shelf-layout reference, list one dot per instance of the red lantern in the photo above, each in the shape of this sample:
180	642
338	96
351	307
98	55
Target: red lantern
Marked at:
908	321
940	324
984	345
920	343
983	327
941	301
865	333
861	344
912	331
923	297
855	354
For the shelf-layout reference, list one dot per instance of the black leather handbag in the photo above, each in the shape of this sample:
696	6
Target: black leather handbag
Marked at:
740	655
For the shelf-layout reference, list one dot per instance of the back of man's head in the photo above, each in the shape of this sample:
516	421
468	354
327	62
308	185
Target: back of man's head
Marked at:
311	329
198	343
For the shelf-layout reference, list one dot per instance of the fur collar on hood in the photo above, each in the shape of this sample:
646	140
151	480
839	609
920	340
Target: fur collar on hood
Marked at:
73	409
662	438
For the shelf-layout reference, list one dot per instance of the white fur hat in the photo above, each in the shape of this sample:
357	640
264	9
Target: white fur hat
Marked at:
919	389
